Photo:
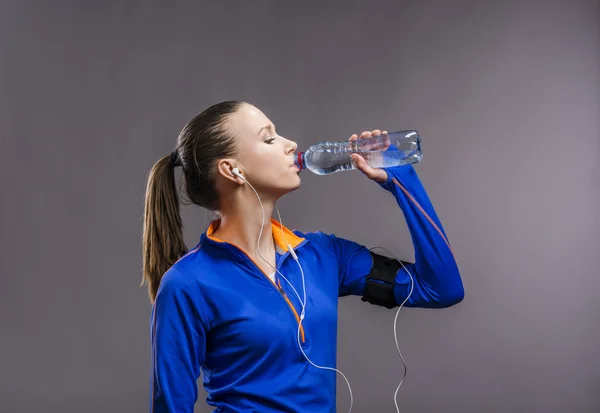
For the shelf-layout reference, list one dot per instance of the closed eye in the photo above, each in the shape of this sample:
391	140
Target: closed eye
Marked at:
270	141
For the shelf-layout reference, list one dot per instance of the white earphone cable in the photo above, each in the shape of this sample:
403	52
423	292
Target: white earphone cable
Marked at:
412	283
302	302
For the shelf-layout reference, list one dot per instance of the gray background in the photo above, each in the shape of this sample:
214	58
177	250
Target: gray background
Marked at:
505	95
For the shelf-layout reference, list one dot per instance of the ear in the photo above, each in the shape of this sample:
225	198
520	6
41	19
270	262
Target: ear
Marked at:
224	168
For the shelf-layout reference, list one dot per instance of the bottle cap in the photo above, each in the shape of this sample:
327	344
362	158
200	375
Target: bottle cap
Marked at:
299	161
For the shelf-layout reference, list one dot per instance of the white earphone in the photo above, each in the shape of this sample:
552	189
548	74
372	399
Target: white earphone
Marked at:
236	172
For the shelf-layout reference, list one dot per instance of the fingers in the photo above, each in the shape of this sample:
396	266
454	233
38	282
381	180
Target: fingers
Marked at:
376	174
367	134
384	144
369	146
385	141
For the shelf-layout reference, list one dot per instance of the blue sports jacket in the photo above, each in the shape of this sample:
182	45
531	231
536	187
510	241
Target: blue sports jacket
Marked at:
218	313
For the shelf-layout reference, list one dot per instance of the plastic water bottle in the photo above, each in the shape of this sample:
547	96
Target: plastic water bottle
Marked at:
383	151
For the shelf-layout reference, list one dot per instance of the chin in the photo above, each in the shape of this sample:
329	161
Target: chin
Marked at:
297	185
298	182
293	185
279	187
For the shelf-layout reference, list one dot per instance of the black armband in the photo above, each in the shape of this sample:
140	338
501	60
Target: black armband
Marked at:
380	283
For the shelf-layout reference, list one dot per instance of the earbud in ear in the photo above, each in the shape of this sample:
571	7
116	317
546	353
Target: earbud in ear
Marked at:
237	173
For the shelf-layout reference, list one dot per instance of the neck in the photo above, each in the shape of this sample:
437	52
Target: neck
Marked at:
241	221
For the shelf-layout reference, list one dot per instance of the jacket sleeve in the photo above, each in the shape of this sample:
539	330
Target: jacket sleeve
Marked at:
437	281
178	346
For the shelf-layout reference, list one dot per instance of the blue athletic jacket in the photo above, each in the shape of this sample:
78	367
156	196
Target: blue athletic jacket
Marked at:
218	313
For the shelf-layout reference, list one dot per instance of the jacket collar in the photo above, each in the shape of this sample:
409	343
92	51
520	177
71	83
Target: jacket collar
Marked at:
281	240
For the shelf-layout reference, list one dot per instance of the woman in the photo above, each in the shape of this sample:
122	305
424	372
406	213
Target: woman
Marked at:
225	306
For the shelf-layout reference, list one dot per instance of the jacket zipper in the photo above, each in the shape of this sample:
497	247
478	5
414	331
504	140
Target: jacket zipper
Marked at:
284	296
293	310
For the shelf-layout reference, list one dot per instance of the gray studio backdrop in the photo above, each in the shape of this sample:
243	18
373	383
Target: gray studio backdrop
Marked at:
505	95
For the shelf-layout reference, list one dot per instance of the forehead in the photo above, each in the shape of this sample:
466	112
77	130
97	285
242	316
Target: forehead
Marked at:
248	120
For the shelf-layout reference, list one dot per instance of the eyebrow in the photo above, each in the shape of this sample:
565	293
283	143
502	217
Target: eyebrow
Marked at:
265	127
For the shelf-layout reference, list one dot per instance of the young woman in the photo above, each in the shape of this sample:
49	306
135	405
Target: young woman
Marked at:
252	314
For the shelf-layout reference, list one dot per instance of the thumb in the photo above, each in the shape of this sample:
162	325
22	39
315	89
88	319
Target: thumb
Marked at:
362	165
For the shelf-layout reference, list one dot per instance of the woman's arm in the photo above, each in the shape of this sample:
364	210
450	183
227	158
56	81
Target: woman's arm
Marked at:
437	281
178	346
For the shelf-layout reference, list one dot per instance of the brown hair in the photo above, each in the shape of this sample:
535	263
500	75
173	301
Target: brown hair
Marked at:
201	143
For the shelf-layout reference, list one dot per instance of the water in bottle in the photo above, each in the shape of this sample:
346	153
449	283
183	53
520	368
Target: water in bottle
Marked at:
383	151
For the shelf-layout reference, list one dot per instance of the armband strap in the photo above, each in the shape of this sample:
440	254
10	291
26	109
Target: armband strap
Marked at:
380	283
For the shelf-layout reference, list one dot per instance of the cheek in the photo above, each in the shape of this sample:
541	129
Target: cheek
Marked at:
255	159
266	161
270	157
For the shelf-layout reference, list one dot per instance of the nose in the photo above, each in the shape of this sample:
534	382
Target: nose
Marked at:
292	146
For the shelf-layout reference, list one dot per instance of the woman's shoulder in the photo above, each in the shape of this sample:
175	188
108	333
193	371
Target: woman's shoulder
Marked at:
319	237
191	269
318	240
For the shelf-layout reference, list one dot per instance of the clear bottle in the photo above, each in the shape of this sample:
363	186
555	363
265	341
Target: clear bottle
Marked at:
383	151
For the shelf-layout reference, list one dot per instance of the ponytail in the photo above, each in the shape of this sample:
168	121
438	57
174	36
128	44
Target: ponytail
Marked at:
163	242
201	143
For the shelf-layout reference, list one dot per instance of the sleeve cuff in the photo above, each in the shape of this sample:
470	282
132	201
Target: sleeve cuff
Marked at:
398	172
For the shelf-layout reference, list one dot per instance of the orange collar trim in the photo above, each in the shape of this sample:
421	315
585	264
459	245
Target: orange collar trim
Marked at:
281	241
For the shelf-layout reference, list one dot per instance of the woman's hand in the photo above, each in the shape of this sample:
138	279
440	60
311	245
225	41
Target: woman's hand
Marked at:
376	174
